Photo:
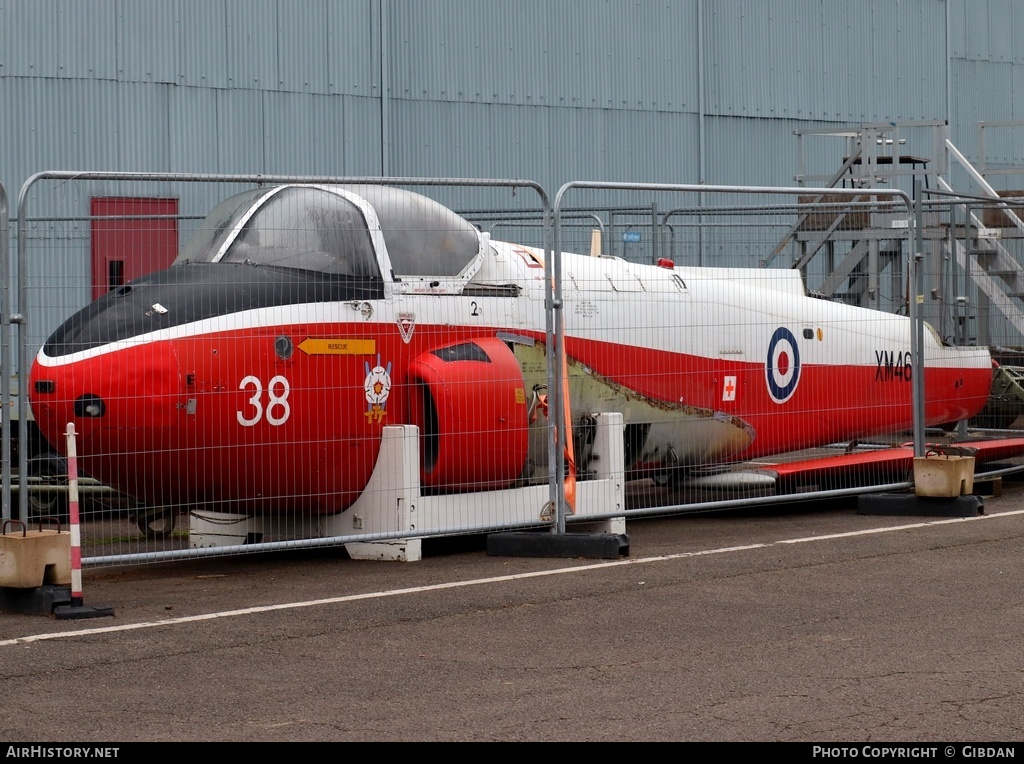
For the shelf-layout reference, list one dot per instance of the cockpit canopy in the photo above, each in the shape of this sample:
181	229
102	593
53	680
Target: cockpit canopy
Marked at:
325	229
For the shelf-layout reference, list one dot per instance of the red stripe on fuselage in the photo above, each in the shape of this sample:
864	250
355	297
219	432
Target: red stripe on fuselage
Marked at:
224	419
830	403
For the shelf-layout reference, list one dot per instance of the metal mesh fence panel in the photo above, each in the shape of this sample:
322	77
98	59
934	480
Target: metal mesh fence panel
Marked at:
256	363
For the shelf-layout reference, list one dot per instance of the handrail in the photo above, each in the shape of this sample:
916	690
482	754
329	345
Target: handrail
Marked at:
980	180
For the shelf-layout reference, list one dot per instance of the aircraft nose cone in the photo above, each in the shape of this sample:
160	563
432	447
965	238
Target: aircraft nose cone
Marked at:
109	396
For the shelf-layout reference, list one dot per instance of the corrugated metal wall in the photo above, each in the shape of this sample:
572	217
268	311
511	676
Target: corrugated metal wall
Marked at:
987	79
615	89
870	61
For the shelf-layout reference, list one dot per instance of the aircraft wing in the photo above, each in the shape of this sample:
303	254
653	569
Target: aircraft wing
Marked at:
860	468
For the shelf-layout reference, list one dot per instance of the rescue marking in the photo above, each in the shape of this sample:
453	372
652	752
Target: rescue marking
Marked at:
311	346
477	582
782	368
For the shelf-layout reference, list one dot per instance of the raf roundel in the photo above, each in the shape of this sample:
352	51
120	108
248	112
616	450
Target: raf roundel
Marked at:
782	369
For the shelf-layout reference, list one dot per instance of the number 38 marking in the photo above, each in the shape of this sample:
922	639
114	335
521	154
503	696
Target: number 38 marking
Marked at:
277	409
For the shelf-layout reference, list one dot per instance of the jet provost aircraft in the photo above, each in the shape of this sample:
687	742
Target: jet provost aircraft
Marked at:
258	371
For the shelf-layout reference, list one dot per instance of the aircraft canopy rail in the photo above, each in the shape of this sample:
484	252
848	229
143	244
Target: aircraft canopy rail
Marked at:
308	228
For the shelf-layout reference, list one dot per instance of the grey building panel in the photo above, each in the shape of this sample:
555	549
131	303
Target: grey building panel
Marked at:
353	48
302	47
657	42
750	63
241	131
740	151
90	126
536	89
804	59
548	146
147	35
314	46
968	29
634	146
253	53
730	53
27	34
430	59
287	133
192	130
918	92
986	30
1017	85
202	50
622	55
578	77
46	39
864	64
615	54
80	51
455	140
955	36
433	57
1012	25
69	124
358	134
304	134
327	47
308	134
142	113
1003	44
977	28
982	90
18	149
956	28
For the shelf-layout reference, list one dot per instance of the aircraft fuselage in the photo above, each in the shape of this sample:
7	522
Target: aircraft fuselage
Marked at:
251	378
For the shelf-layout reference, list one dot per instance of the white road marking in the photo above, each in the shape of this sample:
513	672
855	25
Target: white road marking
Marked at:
478	581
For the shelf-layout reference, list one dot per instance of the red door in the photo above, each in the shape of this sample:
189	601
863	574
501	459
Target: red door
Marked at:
130	238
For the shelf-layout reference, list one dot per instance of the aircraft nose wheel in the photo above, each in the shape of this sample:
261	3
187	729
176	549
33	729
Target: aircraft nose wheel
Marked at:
51	470
155	522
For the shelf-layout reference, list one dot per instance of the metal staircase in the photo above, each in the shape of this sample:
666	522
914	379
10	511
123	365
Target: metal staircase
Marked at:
866	245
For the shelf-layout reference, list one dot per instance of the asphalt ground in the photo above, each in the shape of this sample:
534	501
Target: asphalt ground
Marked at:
806	622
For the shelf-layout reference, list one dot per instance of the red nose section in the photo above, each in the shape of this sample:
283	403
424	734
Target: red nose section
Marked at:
123	404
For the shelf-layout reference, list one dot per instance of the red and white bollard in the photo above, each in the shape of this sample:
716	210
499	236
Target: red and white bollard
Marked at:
74	517
76	609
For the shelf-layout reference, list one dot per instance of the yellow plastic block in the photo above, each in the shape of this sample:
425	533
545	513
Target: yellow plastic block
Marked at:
31	558
939	475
